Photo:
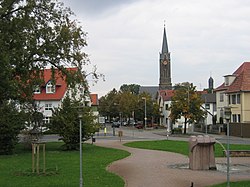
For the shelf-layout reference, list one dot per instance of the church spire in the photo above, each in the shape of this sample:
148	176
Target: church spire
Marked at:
164	43
165	65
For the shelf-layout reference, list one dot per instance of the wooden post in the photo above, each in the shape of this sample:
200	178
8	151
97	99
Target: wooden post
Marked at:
37	159
33	158
43	158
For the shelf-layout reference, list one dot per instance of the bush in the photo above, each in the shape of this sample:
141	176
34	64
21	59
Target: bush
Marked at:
11	123
177	131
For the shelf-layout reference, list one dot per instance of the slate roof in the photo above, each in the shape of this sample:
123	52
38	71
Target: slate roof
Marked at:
61	86
209	97
241	82
152	90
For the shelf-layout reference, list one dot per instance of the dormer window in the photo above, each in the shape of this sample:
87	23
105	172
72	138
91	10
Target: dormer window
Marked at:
50	88
226	81
37	89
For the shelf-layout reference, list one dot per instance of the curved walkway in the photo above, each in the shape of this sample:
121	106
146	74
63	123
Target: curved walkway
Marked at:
149	168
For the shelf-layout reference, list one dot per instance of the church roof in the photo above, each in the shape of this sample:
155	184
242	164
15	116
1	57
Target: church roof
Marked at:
164	42
152	90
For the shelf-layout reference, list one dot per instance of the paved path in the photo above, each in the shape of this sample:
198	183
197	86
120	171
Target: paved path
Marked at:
148	168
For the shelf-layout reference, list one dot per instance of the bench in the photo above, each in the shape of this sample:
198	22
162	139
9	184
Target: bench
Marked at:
238	153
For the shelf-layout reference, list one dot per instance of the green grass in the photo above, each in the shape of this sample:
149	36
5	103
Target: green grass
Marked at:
180	146
234	184
95	161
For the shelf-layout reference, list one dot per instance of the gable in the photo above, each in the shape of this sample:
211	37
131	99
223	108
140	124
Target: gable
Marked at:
60	86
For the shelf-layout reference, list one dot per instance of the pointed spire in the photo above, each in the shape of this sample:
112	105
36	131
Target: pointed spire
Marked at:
164	43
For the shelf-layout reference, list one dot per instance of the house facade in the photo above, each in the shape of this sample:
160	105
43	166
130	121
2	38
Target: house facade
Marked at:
209	106
51	94
164	102
235	93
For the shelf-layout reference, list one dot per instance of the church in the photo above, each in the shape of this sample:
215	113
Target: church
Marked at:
164	71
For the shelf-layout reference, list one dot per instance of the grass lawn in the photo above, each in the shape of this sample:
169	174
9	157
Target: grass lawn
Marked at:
234	184
179	146
95	161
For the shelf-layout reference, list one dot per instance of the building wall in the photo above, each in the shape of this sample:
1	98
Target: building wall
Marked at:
221	104
246	107
212	110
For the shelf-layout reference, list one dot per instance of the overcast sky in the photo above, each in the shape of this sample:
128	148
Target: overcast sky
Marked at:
208	37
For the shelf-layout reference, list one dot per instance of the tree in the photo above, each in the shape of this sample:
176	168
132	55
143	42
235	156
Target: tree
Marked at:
11	122
66	121
132	88
35	34
186	102
108	104
127	104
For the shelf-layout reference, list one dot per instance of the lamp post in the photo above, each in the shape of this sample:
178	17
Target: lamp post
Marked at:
81	179
227	114
145	110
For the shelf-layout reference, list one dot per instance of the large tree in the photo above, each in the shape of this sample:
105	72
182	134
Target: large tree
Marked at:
186	103
35	34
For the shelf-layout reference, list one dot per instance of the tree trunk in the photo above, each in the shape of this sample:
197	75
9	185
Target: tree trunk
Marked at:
185	126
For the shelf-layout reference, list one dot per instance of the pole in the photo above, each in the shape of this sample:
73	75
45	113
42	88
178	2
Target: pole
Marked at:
81	181
145	113
228	154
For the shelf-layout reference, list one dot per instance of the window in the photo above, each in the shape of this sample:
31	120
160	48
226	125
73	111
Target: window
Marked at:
207	106
50	88
234	118
221	97
238	118
226	81
48	106
166	107
36	89
46	120
234	99
238	98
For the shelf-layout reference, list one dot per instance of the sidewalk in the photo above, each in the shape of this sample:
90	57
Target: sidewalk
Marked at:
148	168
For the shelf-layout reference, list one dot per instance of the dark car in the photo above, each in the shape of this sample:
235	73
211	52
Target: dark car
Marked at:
139	125
116	124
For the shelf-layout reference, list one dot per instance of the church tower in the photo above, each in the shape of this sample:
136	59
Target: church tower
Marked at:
165	65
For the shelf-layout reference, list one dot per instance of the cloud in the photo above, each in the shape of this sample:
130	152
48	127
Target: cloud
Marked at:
125	38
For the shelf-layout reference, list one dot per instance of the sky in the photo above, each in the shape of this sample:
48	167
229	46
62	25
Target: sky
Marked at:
205	38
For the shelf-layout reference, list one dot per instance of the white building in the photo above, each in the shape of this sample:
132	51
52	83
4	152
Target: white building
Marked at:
51	94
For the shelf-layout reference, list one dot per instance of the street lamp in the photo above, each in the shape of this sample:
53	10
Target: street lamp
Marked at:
145	110
227	114
80	121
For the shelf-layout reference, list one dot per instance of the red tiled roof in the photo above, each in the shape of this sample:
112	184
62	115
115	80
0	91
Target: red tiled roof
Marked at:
94	99
61	86
166	94
241	82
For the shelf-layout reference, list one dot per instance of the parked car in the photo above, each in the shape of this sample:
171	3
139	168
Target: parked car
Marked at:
139	125
116	124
